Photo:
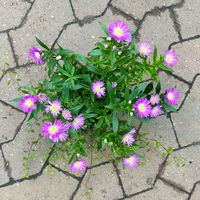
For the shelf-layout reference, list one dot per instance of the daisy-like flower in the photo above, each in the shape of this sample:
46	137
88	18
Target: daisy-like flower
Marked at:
66	114
119	31
131	162
114	84
78	122
56	131
128	139
170	58
172	96
78	166
155	99
144	48
98	89
42	97
35	53
28	103
142	107
54	107
156	111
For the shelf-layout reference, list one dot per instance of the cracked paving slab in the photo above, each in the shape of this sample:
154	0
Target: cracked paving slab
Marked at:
187	121
45	21
45	187
196	193
183	176
3	175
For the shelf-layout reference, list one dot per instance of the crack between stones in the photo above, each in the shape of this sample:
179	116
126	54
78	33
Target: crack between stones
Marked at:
192	191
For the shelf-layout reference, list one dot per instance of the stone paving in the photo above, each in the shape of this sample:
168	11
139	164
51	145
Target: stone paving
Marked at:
173	24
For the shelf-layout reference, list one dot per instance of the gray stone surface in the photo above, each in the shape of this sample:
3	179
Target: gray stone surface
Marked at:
6	59
10	121
45	187
189	116
196	193
161	192
3	174
188	17
189	63
153	31
89	8
102	184
82	39
12	12
138	8
160	129
144	174
184	177
46	15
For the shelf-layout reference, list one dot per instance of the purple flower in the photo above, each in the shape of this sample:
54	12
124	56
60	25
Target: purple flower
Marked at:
119	31
156	111
132	131
98	89
131	162
144	48
57	131
114	48
114	84
155	99
172	96
78	166
42	97
128	139
143	108
78	122
66	114
170	58
54	107
28	103
35	53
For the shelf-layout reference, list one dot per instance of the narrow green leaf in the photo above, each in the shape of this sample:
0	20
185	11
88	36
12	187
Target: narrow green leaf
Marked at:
16	99
148	88
115	122
104	28
42	44
95	52
158	87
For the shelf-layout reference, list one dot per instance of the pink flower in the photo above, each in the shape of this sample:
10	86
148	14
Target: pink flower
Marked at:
155	99
42	97
78	122
54	107
28	103
131	162
78	166
98	89
144	48
114	84
170	58
172	96
35	53
156	111
128	139
119	31
66	114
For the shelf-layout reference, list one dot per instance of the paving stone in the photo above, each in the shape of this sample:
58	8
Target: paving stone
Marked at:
187	121
6	58
45	187
160	129
154	25
189	59
82	39
161	192
99	187
186	176
188	17
3	174
45	20
142	177
9	121
28	75
168	81
89	8
12	12
14	152
138	8
196	193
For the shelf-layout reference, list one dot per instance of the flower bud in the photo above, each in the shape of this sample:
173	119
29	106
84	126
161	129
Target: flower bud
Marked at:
58	57
119	53
129	102
108	38
105	141
131	114
114	48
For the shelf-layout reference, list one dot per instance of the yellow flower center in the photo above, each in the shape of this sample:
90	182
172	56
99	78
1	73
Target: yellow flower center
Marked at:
141	107
29	102
64	114
77	164
53	129
37	54
97	88
54	107
75	121
169	58
118	31
170	96
41	96
143	50
126	139
154	98
130	159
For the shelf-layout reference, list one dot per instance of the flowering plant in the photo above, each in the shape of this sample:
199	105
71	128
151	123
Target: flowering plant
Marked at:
92	99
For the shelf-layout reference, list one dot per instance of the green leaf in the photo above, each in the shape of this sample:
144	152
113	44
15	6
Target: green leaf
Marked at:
158	144
76	108
42	44
170	107
162	66
104	28
95	52
74	134
115	122
112	58
154	54
136	91
80	58
16	99
110	92
133	43
170	150
148	88
51	64
64	51
158	87
99	124
94	69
